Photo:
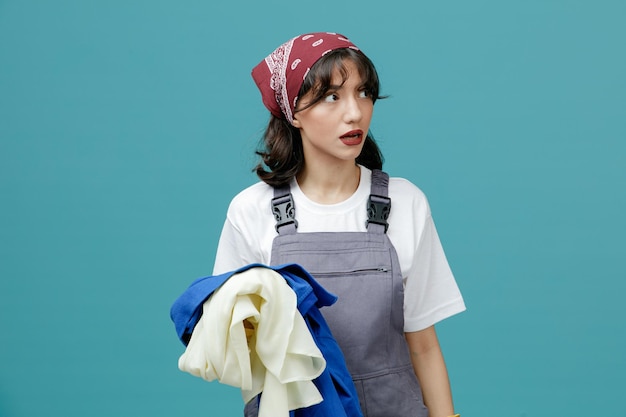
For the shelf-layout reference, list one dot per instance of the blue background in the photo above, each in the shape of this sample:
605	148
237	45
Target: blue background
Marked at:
127	126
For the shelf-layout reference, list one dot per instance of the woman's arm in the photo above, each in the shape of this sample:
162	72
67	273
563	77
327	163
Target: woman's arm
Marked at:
431	371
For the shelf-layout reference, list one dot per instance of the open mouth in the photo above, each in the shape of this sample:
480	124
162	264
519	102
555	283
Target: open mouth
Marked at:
352	134
353	137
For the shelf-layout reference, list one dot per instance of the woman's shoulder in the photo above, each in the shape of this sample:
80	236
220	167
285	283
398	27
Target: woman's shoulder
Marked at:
252	199
402	187
405	195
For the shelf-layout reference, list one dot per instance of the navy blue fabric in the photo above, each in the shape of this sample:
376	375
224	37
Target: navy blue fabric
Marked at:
335	383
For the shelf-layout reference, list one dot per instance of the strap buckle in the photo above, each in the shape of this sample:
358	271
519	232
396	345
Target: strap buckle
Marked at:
284	211
378	209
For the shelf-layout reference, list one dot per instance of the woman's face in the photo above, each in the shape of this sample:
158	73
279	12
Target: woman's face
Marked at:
334	129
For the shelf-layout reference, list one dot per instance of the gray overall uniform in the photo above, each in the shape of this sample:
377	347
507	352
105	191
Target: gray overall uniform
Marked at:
363	270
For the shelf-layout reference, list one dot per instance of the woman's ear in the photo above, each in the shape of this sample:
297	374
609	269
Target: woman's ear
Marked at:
296	123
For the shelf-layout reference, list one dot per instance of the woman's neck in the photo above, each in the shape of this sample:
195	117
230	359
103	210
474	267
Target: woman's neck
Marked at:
329	185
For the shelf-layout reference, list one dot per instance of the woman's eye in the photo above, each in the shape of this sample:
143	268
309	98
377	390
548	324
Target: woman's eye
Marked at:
364	94
331	98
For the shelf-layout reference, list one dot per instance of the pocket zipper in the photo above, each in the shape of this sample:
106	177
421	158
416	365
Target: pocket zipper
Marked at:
356	271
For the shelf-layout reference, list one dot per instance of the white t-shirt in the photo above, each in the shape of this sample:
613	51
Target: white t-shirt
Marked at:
430	290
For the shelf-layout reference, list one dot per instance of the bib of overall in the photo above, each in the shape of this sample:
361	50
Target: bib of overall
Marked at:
363	270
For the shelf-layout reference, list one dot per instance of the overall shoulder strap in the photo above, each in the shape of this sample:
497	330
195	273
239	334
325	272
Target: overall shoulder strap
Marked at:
284	210
379	203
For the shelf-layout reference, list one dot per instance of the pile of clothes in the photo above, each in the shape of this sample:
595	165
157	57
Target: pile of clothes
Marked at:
259	328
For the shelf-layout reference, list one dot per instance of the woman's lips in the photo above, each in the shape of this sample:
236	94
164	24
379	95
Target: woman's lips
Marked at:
353	137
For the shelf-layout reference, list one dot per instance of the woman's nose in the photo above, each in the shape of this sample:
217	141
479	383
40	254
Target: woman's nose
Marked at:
353	112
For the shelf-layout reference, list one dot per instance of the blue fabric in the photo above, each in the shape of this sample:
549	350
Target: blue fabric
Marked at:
335	383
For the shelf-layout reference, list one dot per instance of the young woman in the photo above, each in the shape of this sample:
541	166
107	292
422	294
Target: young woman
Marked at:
324	203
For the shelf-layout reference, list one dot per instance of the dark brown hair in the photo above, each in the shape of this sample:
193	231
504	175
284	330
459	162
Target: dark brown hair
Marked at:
281	151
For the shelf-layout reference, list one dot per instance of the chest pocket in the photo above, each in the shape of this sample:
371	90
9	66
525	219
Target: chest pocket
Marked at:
359	271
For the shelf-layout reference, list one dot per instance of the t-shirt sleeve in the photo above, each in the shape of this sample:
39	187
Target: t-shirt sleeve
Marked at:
232	249
246	231
431	292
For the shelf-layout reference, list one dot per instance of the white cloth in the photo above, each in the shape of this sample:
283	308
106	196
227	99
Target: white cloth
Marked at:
431	292
282	359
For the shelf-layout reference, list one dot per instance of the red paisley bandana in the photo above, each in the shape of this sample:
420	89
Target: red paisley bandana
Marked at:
281	74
